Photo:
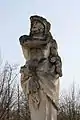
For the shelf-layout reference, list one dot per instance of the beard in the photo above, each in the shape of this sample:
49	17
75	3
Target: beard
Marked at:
36	31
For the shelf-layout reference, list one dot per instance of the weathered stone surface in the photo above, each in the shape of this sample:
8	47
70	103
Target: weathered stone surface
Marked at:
40	75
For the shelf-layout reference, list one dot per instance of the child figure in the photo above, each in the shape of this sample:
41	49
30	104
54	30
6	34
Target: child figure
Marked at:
55	59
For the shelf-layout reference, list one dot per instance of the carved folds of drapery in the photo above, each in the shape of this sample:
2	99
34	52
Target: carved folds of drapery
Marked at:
43	65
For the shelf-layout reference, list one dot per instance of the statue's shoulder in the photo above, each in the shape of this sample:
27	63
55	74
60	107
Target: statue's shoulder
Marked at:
52	40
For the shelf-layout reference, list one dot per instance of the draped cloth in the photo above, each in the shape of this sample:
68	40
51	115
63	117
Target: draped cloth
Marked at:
47	99
46	109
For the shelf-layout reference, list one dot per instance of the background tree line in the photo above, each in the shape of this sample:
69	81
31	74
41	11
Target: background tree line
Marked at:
14	105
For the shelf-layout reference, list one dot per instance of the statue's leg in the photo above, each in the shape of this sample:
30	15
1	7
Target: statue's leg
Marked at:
46	110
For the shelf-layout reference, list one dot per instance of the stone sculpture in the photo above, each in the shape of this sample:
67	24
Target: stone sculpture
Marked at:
41	72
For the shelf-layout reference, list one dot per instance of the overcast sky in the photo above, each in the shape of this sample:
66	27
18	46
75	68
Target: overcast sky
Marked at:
64	16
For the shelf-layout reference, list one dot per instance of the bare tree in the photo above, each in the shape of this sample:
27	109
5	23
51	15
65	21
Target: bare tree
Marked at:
6	92
18	110
69	107
24	108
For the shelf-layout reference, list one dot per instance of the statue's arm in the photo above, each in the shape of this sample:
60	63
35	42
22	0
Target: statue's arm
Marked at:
24	38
